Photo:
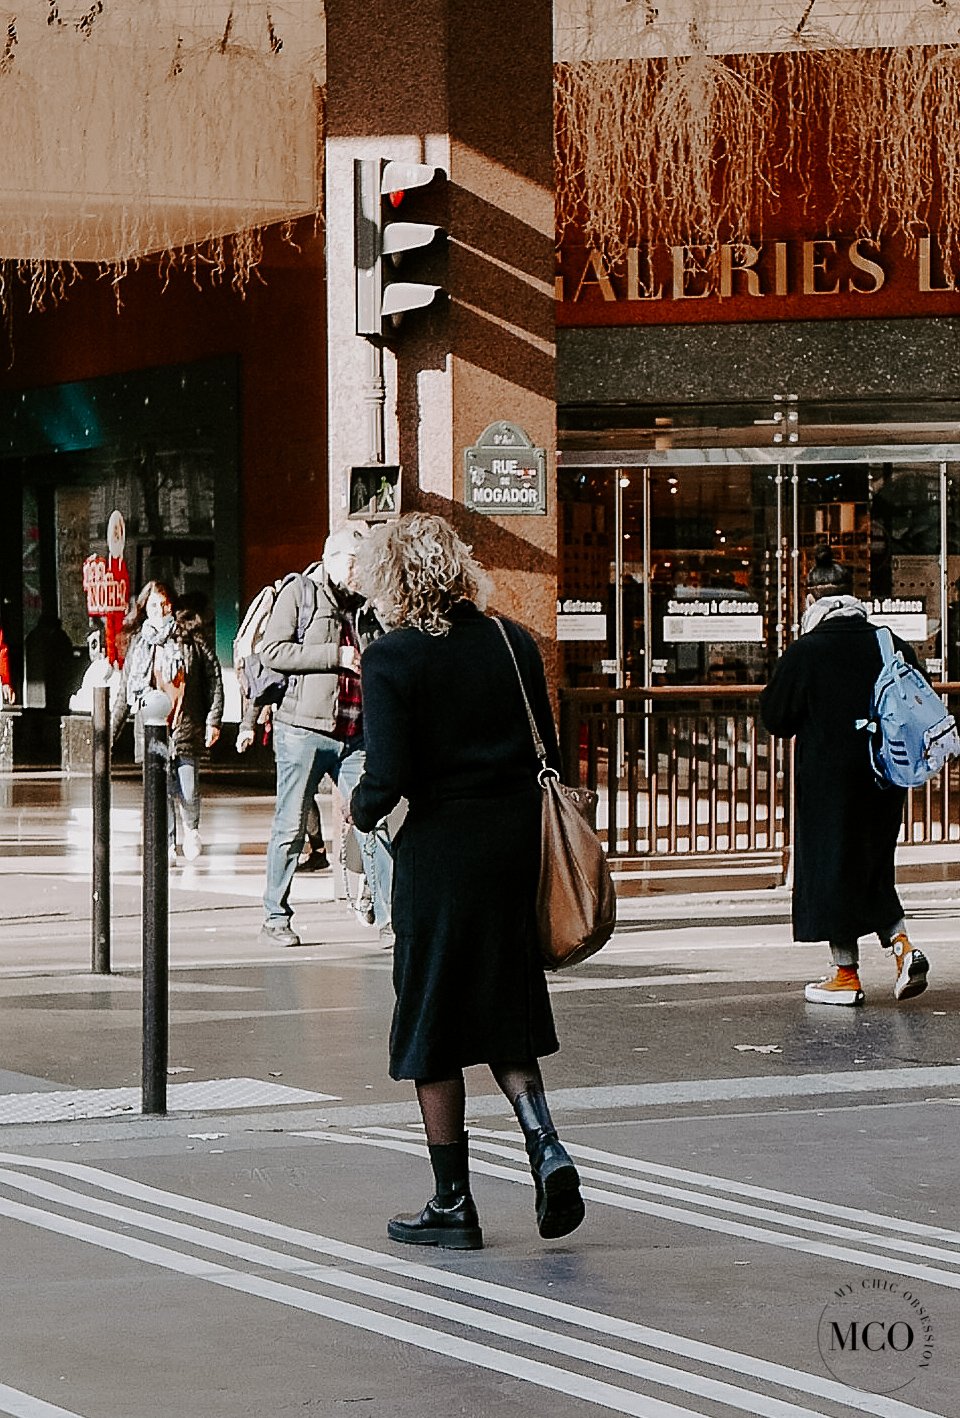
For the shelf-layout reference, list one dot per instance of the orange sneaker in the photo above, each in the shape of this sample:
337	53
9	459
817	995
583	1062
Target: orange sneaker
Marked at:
912	968
842	987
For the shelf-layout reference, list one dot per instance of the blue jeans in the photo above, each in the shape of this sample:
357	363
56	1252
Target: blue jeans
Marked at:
183	787
303	757
375	847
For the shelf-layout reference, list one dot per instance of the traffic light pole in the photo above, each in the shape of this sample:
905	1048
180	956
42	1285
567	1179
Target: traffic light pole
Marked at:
376	401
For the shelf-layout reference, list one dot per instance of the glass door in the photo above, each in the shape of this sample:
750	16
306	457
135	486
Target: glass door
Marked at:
728	550
714	611
695	575
888	521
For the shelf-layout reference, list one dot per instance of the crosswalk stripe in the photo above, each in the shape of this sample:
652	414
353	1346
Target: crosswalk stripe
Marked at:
24	1405
715	1203
746	1364
608	1325
451	1311
499	1361
728	1184
700	1219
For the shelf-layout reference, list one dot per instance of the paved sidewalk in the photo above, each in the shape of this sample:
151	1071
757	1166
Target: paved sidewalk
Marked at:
215	902
215	910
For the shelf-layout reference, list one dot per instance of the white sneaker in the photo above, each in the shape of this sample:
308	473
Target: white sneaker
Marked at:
912	968
842	987
192	844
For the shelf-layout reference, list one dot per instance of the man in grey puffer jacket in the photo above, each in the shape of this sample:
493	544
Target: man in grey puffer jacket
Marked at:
317	726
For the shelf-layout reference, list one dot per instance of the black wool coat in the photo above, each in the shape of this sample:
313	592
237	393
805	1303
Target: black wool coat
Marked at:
445	727
846	824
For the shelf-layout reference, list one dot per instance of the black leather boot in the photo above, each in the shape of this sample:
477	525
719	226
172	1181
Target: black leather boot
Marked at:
450	1218
560	1206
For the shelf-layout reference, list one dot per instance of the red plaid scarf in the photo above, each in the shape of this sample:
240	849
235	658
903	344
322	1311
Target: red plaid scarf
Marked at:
349	700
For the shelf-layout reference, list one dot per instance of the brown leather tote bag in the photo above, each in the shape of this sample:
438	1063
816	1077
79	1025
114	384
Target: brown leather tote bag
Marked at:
576	900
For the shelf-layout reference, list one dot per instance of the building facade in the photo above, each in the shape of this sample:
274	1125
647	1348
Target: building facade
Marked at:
723	403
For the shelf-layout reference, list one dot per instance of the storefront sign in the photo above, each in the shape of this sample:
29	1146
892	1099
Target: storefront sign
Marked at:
800	278
105	593
581	620
106	585
906	618
505	473
714	621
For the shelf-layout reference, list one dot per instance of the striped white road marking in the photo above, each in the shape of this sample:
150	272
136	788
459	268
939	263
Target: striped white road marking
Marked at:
396	1139
499	1361
563	1380
22	1405
729	1184
450	1311
778	1217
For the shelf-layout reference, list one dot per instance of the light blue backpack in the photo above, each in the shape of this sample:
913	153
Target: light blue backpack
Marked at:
911	733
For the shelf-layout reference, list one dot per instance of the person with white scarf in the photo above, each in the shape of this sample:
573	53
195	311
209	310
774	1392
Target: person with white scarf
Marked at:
846	824
167	652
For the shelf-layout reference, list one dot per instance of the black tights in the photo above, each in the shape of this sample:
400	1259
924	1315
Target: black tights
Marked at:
443	1100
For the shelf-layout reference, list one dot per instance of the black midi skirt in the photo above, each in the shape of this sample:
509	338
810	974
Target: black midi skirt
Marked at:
469	984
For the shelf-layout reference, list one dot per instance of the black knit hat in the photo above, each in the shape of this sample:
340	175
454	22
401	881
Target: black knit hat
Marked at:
826	574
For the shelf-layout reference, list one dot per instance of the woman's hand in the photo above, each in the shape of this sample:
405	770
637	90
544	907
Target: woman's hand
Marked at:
350	658
212	734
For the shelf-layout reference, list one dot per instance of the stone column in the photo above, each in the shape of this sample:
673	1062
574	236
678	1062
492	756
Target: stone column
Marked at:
467	87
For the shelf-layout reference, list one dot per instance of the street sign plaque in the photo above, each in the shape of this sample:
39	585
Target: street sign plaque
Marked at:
505	474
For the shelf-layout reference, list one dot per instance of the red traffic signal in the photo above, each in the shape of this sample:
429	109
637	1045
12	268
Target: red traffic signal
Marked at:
382	243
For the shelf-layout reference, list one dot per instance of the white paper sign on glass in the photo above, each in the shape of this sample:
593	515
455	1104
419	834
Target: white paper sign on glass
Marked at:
713	629
582	626
909	625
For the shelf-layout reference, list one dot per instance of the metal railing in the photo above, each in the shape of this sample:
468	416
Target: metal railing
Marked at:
690	771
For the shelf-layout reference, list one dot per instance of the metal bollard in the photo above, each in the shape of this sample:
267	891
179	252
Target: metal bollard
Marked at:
155	906
100	791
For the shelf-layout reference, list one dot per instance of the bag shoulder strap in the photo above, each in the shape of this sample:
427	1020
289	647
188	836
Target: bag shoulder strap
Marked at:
308	606
887	650
306	597
256	611
537	740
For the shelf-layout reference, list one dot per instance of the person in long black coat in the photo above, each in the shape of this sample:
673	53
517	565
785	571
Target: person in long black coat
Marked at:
846	823
445	727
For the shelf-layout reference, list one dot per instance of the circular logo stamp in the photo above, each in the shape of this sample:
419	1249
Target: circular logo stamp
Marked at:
876	1334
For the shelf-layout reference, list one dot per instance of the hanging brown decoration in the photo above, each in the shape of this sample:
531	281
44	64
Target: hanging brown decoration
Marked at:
652	149
175	130
684	143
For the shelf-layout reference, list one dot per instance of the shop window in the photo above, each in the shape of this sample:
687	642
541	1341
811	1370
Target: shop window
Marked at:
160	445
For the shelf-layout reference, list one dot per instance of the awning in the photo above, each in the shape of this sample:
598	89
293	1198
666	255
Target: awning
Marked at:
132	127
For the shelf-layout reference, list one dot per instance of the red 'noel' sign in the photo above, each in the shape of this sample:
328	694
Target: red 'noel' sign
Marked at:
106	592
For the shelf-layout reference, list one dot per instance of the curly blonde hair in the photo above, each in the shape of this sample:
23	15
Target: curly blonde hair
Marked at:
415	569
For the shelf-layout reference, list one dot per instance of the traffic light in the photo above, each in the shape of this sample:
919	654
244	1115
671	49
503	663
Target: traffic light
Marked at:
382	242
